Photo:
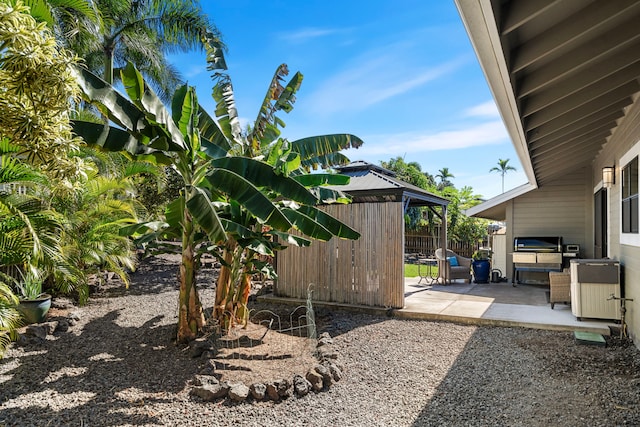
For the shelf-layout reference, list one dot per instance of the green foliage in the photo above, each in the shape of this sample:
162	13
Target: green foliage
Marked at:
29	287
31	118
141	32
9	316
410	172
460	227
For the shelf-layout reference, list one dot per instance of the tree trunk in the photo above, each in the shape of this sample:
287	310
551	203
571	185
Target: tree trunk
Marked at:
232	291
223	289
190	315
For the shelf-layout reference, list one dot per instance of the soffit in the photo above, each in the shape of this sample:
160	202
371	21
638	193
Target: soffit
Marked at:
572	67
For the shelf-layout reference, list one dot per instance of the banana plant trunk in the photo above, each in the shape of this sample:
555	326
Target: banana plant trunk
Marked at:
232	290
190	315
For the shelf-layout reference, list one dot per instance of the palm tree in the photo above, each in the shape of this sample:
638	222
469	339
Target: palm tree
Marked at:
444	175
142	32
503	168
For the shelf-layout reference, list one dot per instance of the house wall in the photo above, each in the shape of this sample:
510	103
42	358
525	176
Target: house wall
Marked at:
625	138
562	208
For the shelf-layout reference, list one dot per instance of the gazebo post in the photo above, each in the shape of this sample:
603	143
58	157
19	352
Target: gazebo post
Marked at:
443	244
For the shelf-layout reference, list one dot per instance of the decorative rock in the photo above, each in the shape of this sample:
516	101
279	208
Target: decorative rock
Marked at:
211	392
301	386
63	326
208	367
315	379
199	346
72	322
327	353
324	339
74	315
238	392
272	392
22	340
50	327
36	331
258	391
284	388
61	303
204	380
209	354
336	372
327	378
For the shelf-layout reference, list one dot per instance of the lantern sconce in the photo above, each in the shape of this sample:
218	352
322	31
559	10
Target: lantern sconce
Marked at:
608	176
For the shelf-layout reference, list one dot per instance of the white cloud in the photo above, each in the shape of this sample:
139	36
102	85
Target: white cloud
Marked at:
486	109
488	133
306	34
194	70
373	79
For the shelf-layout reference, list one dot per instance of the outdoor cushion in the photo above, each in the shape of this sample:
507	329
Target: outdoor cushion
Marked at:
453	261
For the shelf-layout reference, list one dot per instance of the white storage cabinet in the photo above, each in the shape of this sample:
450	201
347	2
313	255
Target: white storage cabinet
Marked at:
593	281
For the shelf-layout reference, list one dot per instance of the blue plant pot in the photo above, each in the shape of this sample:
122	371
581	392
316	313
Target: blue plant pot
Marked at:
35	311
481	270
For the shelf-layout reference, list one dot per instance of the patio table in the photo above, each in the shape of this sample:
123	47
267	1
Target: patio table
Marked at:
429	276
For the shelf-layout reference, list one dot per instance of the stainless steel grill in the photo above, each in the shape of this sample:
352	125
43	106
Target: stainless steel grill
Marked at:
538	254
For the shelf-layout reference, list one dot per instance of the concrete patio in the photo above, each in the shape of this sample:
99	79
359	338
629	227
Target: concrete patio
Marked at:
499	304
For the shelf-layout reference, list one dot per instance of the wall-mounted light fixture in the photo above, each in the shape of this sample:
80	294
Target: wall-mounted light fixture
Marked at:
608	176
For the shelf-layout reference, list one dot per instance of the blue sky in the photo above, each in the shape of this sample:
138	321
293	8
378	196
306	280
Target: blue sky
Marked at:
401	75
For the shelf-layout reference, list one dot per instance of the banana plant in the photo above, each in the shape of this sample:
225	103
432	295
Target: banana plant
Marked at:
249	240
213	168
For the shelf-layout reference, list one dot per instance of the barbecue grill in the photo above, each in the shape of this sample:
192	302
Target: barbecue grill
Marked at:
538	254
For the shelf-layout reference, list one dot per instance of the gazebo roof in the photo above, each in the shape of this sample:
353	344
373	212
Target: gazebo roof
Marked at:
371	183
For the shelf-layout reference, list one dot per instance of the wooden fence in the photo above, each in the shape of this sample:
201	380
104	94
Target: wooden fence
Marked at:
427	245
368	271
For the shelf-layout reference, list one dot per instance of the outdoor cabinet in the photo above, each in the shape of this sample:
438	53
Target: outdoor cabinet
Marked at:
593	282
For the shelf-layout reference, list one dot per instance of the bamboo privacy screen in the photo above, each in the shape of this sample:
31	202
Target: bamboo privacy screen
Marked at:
368	271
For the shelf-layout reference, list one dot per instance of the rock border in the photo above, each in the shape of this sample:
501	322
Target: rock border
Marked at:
209	388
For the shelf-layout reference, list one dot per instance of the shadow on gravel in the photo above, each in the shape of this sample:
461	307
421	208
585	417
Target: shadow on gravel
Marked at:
334	321
537	378
155	275
106	369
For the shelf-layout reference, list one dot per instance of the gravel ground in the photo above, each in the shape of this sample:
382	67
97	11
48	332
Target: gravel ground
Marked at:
118	367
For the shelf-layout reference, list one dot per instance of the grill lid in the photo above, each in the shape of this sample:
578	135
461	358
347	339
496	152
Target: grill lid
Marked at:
537	244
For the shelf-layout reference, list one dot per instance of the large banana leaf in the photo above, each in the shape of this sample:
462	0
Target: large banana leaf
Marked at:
247	195
291	239
323	151
155	112
205	214
113	139
262	174
154	129
214	143
317	179
334	226
307	225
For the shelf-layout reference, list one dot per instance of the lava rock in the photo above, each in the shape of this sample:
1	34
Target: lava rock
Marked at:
258	391
301	386
238	392
315	379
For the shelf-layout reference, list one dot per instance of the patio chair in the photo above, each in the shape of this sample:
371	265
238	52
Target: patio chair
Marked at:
559	287
454	265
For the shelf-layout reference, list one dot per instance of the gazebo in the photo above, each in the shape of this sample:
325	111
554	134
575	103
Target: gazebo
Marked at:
370	270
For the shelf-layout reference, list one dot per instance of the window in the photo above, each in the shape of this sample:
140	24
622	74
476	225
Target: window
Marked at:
630	213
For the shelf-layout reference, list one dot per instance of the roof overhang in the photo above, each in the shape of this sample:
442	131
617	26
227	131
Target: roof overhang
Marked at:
563	74
495	208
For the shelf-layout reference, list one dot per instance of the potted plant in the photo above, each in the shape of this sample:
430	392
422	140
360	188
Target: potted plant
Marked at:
34	304
481	265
